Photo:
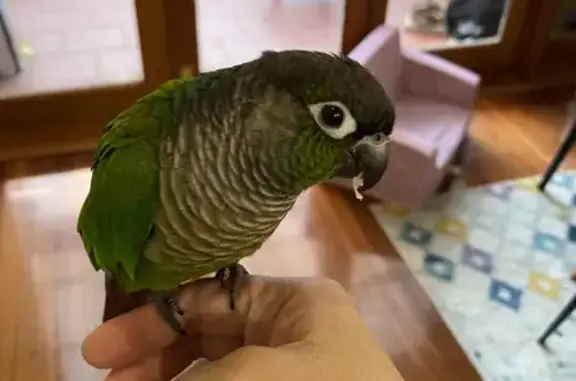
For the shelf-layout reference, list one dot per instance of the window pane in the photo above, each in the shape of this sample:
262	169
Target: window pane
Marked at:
67	44
448	23
232	31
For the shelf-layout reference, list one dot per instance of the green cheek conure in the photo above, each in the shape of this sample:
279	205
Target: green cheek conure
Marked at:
198	174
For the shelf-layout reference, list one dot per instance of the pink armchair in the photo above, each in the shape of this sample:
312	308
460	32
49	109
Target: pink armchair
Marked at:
434	100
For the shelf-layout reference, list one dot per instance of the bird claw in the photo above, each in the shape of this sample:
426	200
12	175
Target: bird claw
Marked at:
229	278
167	305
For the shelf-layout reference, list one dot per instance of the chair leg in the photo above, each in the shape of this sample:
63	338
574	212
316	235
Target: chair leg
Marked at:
563	315
567	142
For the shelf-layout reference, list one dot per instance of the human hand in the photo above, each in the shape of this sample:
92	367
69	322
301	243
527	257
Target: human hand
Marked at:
282	329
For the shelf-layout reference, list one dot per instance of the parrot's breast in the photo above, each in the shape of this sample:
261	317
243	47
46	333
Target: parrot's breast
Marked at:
215	207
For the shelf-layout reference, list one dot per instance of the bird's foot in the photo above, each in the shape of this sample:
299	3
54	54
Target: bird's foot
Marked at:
229	278
167	305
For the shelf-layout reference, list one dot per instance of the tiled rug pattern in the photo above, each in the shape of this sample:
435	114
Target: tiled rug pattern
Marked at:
496	261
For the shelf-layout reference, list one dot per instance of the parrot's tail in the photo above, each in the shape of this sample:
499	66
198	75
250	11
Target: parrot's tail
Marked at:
118	301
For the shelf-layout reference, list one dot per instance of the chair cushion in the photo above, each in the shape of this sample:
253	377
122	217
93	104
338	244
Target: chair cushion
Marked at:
431	126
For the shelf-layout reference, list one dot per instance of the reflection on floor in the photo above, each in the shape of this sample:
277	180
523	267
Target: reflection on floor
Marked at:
50	298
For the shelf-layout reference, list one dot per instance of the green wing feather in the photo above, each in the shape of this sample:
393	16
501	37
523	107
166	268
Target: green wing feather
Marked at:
117	218
116	222
118	215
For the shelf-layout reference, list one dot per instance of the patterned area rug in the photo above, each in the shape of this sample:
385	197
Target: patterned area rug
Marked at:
496	261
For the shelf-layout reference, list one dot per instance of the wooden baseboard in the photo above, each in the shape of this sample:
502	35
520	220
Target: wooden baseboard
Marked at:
48	140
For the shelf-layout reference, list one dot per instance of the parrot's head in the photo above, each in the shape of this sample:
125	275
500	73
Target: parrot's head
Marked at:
329	117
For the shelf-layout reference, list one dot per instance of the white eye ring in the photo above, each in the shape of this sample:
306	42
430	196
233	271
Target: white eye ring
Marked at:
338	129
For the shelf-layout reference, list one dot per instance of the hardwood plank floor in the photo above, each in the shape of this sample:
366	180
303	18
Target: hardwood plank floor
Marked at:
50	297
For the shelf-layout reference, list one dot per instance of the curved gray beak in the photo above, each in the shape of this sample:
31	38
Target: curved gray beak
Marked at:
366	159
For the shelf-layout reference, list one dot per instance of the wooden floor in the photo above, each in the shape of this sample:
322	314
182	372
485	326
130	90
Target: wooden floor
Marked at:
50	298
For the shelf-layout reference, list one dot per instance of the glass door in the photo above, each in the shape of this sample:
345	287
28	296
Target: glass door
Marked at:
231	31
82	62
66	45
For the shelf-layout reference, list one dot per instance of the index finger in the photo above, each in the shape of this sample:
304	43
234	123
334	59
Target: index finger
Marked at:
142	332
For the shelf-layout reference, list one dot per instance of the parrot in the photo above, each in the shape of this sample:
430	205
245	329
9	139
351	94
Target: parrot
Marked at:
197	174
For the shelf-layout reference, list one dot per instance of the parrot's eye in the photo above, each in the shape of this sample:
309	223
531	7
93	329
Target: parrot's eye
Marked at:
334	118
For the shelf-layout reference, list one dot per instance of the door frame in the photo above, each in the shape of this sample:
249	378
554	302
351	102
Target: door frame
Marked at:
360	18
72	120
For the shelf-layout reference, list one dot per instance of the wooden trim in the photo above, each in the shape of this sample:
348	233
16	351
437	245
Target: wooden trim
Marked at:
535	43
48	140
540	55
60	122
508	83
181	37
66	108
528	39
360	18
152	32
556	51
562	9
475	57
560	70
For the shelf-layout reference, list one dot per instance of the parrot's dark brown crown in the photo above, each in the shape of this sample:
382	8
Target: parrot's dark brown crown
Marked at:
314	77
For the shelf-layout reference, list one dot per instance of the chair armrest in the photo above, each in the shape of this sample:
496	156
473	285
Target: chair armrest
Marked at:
427	75
375	41
379	52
